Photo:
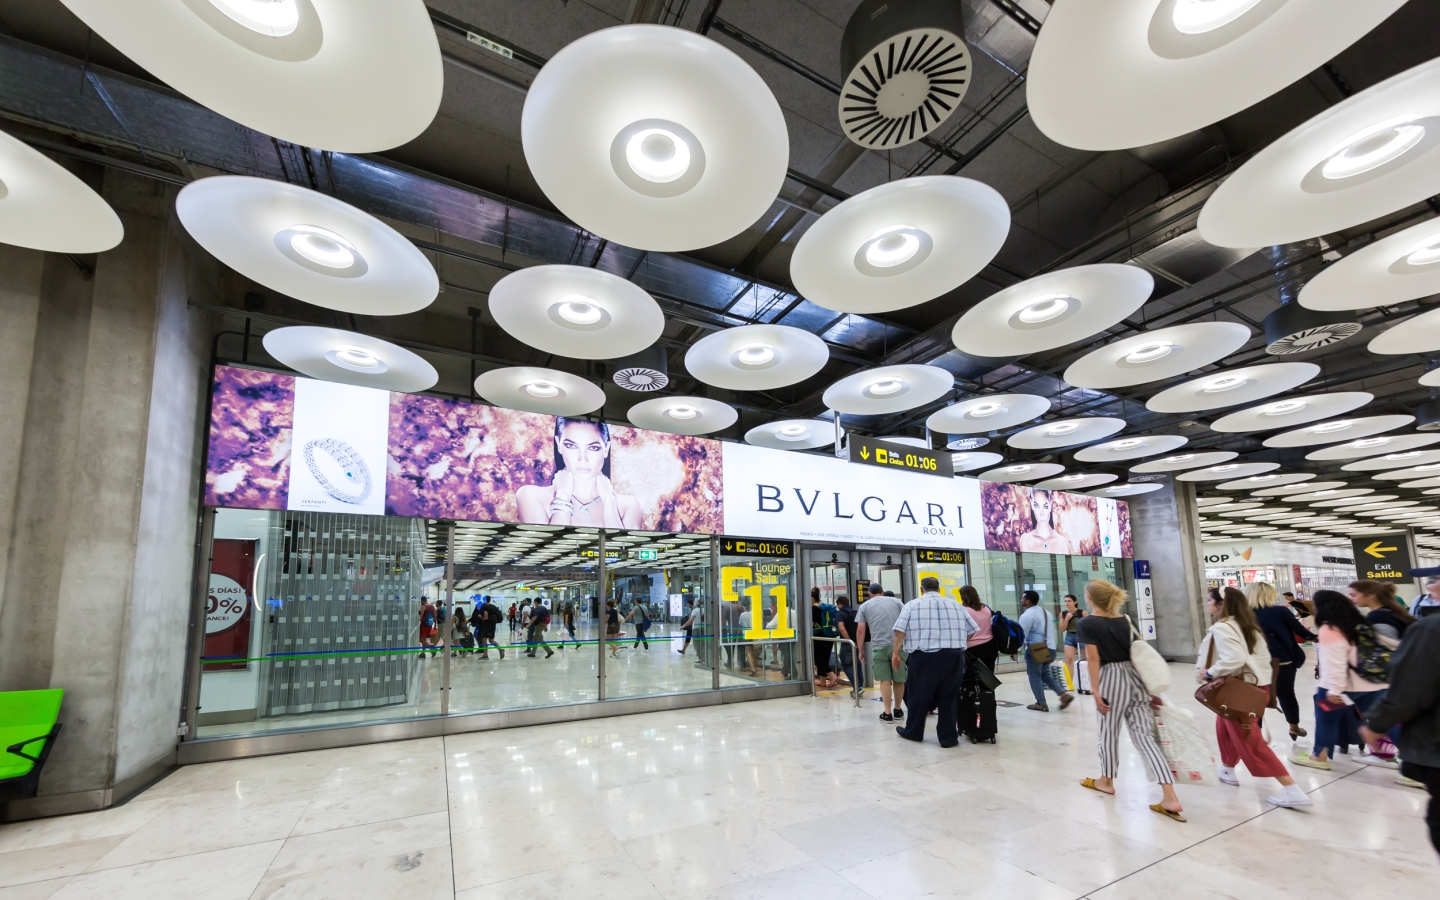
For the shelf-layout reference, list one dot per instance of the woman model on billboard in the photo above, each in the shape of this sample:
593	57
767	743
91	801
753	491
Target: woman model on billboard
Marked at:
1042	536
581	493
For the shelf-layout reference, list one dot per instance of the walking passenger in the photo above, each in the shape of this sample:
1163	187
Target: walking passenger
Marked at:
1040	653
1428	603
1235	647
460	637
1283	634
852	662
688	625
1342	690
977	700
429	628
641	614
1121	697
1386	615
489	617
934	631
1070	618
612	627
823	625
539	622
568	619
875	621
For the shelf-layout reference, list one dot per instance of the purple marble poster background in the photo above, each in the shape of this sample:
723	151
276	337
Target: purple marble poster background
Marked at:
248	465
1006	511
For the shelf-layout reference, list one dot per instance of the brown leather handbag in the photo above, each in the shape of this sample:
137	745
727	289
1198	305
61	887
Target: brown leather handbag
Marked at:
1239	698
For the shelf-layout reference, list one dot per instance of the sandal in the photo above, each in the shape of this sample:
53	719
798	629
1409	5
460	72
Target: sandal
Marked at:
1297	732
1090	783
1038	707
1168	813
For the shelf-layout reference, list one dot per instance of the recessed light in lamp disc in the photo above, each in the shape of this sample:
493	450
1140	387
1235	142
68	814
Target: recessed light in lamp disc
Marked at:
1153	355
539	390
1065	433
1126	490
1076	481
330	354
576	311
900	244
756	357
969	462
1362	158
44	207
1233	387
1182	461
307	245
1305	488
1022	472
1291	411
1420	334
1052	310
888	389
1131	447
353	76
683	415
655	137
1396	447
1338	430
988	413
1226	471
792	434
1255	482
1403	266
1409	460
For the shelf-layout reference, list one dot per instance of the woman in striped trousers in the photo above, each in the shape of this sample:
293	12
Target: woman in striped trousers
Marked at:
1121	697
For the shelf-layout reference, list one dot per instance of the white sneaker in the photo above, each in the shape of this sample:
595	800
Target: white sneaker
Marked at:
1370	759
1410	782
1226	774
1291	797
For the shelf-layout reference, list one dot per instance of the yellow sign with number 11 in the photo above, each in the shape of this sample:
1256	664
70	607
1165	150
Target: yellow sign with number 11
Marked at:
755	593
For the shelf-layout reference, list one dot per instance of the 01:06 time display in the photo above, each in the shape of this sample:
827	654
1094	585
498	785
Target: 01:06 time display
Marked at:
921	462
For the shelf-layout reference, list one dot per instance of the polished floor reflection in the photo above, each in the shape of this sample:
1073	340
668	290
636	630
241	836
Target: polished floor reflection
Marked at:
750	801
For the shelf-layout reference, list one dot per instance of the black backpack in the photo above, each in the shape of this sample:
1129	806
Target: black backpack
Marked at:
1008	634
1372	658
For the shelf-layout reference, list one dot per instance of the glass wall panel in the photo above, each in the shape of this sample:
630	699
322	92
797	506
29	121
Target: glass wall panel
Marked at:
994	575
761	621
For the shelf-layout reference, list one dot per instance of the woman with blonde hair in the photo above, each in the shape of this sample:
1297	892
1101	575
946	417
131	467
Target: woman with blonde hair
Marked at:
1234	648
1283	636
1120	696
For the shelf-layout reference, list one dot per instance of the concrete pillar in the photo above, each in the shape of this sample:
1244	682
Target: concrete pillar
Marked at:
1166	529
102	385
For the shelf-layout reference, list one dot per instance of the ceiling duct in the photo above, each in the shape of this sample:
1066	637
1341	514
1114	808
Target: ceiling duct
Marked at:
646	371
906	68
1293	328
1427	414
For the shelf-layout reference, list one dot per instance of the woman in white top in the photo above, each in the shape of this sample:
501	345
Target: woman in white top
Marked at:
1341	691
1235	647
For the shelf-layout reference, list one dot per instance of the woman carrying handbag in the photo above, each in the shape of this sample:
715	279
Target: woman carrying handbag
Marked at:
1283	634
1235	648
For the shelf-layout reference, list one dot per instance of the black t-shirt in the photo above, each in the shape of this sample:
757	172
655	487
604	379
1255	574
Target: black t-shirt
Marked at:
847	618
1111	637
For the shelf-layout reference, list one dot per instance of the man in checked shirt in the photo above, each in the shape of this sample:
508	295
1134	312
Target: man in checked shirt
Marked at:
933	630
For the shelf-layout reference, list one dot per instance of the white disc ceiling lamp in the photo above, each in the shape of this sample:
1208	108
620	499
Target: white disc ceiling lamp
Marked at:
354	76
1423	464
792	434
1292	411
1422	483
1077	481
900	244
972	460
1180	64
1052	310
538	390
655	137
756	357
1367	156
1065	433
1327	494
307	245
683	415
1403	266
1227	471
1255	482
1393	448
990	412
1233	387
1305	488
1420	334
888	389
1338	430
1179	462
44	207
1131	447
576	311
1162	353
1019	472
1128	489
330	354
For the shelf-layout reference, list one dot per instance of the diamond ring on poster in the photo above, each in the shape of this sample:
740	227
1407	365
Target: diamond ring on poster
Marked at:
44	207
1338	430
1133	447
1291	411
330	354
989	412
1052	310
1233	387
1154	355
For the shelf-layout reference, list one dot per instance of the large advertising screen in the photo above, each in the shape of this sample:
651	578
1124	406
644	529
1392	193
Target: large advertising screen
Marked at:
282	442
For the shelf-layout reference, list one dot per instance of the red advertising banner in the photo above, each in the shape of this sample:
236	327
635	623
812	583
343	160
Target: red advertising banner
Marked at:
227	607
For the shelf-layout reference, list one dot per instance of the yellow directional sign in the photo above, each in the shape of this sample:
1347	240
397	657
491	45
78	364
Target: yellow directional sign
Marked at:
1382	557
1378	551
874	452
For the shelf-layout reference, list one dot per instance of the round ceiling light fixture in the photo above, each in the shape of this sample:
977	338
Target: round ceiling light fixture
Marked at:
1292	411
1077	481
1182	461
1065	433
352	76
888	389
990	412
1398	469
44	207
900	244
347	357
1227	471
307	245
538	390
1022	472
1418	334
1181	64
1153	355
792	434
1131	447
576	311
1398	448
966	462
1052	310
1129	489
1369	155
1233	387
1338	430
683	145
682	415
1260	481
756	357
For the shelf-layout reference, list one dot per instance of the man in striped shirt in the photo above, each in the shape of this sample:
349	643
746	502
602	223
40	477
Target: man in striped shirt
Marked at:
933	630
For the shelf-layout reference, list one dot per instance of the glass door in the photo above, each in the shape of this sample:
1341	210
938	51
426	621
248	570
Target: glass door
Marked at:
760	619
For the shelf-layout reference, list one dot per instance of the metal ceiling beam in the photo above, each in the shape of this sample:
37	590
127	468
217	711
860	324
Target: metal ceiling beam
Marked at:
1018	15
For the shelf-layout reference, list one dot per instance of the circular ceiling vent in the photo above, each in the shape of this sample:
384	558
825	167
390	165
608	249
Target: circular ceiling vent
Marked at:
646	371
1145	479
1294	329
967	443
906	69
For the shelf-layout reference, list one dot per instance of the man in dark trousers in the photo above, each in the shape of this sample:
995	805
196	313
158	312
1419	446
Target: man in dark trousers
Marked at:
934	631
1413	703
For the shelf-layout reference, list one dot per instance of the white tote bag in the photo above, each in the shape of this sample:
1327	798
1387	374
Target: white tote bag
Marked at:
1149	663
1185	748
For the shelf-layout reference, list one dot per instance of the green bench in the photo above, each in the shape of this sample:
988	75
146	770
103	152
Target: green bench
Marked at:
28	728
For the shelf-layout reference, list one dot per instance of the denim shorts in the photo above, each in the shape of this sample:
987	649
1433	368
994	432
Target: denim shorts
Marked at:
1072	639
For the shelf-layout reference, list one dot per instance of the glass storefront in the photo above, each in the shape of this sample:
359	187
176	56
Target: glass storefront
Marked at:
1001	578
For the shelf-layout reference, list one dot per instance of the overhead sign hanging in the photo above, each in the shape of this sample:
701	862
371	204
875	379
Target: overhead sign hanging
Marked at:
1382	557
901	457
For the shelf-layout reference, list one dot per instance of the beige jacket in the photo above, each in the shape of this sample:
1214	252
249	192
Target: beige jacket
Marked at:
1232	657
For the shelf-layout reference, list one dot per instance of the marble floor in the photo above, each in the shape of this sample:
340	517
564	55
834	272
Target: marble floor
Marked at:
777	799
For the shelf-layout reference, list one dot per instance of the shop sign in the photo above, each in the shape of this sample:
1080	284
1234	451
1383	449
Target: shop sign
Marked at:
1238	554
1383	557
227	604
875	452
